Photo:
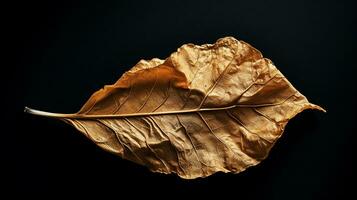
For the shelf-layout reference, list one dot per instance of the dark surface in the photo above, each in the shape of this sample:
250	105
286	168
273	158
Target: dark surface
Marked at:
66	51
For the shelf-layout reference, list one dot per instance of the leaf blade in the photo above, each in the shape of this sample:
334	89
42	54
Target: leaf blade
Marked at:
205	109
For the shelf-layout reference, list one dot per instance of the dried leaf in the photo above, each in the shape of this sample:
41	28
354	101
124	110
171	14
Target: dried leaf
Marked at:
204	109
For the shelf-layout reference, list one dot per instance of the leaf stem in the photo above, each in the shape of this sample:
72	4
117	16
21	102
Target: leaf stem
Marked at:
47	114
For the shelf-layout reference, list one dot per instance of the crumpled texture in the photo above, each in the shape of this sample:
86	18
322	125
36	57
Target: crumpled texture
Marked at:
204	109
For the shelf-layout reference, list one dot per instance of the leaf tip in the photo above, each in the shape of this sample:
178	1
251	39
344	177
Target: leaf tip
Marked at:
313	106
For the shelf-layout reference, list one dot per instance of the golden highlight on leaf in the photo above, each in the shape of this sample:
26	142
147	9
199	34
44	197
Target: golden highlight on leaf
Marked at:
209	108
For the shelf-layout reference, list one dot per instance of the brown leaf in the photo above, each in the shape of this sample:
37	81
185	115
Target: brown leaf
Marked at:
204	109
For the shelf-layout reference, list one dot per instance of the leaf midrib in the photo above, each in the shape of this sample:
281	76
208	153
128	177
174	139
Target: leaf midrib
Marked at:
83	116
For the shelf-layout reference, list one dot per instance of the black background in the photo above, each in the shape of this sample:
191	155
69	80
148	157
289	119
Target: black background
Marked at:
66	51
